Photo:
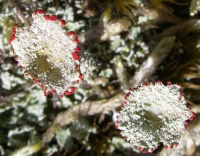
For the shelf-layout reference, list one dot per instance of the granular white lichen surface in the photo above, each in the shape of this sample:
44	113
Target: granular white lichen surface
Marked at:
48	55
152	114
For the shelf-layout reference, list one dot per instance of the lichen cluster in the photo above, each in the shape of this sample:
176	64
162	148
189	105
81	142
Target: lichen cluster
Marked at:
47	54
93	51
153	113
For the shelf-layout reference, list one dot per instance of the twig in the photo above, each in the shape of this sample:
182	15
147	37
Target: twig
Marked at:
54	101
121	73
180	29
102	33
156	57
22	15
77	152
67	117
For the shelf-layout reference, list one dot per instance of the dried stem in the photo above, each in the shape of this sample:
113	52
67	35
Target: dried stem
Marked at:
156	57
180	29
102	33
83	109
121	73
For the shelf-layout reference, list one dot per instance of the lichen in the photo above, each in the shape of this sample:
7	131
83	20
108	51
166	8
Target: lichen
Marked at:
153	113
48	55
